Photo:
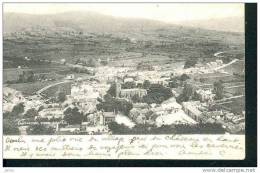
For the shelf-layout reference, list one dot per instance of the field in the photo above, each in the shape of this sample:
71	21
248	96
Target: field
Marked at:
29	88
165	45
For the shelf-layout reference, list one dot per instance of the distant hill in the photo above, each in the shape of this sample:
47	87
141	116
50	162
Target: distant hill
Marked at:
230	24
96	22
78	35
80	21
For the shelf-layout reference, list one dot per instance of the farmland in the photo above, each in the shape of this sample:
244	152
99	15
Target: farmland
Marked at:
158	44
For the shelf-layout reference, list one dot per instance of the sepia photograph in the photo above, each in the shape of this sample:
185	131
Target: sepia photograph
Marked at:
124	81
74	69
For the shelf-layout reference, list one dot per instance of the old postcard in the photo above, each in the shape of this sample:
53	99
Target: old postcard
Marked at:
124	81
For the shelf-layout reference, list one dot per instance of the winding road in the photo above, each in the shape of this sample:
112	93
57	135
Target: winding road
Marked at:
52	85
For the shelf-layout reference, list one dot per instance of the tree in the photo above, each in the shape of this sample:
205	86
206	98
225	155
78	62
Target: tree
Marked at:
112	90
61	96
92	62
73	116
10	127
218	89
128	85
18	109
31	113
118	128
187	93
146	84
40	129
123	106
184	77
173	84
113	104
136	98
191	62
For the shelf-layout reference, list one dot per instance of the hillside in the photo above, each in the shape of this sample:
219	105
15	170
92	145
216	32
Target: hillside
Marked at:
79	21
90	35
230	24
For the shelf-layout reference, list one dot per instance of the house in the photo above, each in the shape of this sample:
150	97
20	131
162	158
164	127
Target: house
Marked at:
160	81
205	95
192	109
70	77
128	79
108	117
173	106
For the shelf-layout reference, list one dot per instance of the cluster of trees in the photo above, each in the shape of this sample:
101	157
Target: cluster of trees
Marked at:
72	115
128	85
218	89
10	120
157	94
61	96
10	126
91	62
206	128
111	104
188	93
27	76
178	81
80	70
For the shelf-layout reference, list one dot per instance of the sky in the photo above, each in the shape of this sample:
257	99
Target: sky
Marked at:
166	12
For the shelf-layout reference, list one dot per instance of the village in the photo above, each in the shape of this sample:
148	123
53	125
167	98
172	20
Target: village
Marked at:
126	99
